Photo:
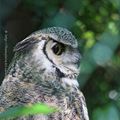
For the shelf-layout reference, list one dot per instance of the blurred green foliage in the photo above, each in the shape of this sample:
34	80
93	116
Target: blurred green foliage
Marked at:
30	109
96	24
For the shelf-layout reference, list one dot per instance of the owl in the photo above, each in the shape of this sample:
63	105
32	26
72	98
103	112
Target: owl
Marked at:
45	69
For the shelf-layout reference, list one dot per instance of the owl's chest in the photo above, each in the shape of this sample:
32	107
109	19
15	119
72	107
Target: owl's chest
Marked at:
61	100
50	96
29	93
45	95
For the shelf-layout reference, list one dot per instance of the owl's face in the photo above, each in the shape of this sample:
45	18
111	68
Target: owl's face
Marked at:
58	58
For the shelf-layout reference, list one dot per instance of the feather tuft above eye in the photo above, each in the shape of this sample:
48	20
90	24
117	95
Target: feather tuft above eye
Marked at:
25	44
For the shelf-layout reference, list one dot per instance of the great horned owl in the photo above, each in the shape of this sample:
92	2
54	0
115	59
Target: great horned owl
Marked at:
45	69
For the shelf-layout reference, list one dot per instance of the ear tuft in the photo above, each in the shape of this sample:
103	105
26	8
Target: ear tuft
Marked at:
25	44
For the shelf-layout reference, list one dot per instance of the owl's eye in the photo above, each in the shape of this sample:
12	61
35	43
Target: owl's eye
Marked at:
58	48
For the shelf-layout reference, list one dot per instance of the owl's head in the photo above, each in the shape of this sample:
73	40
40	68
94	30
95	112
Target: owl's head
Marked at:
53	54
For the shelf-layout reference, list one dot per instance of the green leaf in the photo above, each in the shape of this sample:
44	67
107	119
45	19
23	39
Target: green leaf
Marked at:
31	109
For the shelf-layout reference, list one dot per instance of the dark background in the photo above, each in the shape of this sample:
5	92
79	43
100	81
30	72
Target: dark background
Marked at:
96	25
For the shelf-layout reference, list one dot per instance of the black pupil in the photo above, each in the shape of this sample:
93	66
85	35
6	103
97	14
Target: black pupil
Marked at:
58	48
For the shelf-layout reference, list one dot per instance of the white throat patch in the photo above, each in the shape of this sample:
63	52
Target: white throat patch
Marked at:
70	82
